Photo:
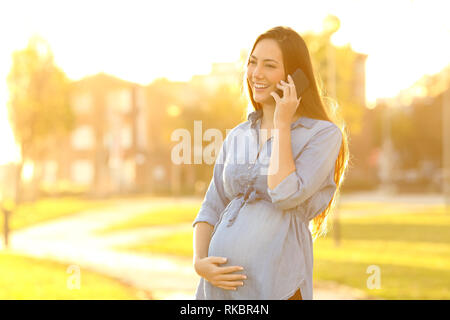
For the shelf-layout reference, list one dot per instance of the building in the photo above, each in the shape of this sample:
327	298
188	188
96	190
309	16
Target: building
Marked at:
107	150
121	141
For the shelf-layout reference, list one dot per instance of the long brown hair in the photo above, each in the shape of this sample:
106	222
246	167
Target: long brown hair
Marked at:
314	104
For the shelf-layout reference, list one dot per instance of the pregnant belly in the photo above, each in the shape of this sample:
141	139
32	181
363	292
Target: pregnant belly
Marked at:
256	234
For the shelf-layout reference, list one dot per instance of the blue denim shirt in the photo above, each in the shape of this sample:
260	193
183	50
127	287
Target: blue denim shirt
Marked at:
263	230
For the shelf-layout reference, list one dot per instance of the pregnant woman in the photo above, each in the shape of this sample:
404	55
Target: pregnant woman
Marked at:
275	176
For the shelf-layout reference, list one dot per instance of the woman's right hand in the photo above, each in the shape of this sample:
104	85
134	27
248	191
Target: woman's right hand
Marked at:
220	277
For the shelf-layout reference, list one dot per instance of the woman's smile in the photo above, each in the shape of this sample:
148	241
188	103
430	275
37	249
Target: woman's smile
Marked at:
260	87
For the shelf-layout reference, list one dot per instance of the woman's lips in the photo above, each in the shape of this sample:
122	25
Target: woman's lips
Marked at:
260	89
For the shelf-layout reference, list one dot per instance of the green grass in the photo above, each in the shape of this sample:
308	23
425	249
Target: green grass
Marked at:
170	214
412	251
178	244
163	214
30	278
42	210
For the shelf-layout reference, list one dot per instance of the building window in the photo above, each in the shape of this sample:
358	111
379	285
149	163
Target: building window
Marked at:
82	172
50	171
141	132
82	103
126	137
83	138
119	100
129	172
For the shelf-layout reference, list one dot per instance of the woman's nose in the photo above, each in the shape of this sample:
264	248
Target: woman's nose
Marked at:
257	73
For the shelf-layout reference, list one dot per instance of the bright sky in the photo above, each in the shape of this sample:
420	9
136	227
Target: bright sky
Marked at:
142	40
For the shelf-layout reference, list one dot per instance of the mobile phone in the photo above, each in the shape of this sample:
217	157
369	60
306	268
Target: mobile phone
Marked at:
301	83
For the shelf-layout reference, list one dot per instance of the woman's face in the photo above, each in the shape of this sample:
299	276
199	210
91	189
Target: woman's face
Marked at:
265	69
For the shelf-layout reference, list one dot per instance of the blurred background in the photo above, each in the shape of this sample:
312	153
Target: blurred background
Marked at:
91	92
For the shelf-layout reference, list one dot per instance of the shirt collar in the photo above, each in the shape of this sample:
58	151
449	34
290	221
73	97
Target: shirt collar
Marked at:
256	115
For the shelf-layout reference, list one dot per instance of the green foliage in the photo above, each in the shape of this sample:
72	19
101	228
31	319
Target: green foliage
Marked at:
416	132
39	110
347	78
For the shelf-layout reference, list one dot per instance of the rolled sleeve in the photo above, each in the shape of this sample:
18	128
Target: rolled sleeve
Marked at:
215	199
313	165
319	201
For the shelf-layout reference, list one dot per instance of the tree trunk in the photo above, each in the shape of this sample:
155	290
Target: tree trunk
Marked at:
37	179
18	184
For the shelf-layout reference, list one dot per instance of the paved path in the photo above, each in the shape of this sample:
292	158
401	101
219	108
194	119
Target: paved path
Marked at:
73	240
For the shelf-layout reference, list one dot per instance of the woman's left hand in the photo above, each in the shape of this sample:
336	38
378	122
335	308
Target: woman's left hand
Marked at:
285	107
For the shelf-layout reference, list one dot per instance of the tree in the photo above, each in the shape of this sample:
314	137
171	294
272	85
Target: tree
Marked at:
38	108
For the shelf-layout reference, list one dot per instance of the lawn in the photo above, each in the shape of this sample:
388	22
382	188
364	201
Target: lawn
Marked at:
161	214
170	214
411	250
42	210
35	279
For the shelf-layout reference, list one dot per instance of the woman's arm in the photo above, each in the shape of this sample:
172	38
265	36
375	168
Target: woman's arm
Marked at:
313	167
281	160
292	181
207	267
202	237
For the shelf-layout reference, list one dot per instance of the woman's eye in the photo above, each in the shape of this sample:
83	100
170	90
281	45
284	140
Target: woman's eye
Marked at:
267	65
